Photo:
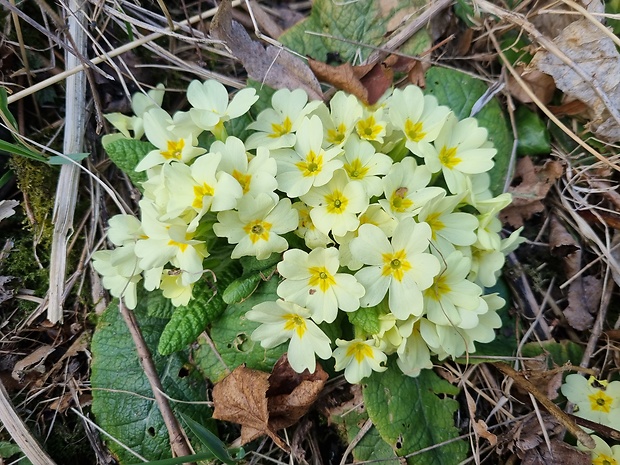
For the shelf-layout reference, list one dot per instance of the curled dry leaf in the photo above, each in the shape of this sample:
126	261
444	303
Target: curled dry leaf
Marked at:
584	292
262	403
541	84
272	66
592	76
369	82
533	184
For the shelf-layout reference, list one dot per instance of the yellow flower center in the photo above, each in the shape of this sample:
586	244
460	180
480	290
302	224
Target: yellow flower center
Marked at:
336	202
398	202
414	131
368	128
278	130
355	169
319	276
448	158
199	193
257	230
336	136
243	179
439	288
296	323
174	150
435	223
600	402
312	165
360	351
603	459
395	264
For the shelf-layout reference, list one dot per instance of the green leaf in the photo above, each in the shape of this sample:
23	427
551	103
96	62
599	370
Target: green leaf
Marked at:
557	353
4	108
230	335
179	460
17	149
126	154
365	22
532	131
122	397
158	306
241	288
367	318
411	416
264	96
250	264
460	92
349	420
206	305
58	160
210	441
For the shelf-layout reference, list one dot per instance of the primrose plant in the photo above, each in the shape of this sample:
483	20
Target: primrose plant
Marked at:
380	219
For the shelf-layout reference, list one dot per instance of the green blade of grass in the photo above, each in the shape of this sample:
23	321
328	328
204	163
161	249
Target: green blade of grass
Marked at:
210	440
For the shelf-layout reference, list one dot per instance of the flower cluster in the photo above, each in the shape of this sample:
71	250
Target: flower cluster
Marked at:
392	202
597	401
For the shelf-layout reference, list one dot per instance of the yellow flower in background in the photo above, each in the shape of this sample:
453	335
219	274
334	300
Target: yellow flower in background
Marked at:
598	401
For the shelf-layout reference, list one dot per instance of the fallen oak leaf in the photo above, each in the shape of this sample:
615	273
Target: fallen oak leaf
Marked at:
291	394
272	66
241	398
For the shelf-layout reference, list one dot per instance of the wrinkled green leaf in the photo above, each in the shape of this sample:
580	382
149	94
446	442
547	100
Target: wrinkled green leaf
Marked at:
411	416
231	337
367	318
533	136
515	48
126	154
460	92
122	397
371	446
557	353
364	22
189	321
250	264
158	306
241	288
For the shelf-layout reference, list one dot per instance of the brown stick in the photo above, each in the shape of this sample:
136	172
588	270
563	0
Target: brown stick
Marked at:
566	420
178	439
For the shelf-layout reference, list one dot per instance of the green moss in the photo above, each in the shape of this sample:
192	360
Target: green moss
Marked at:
38	183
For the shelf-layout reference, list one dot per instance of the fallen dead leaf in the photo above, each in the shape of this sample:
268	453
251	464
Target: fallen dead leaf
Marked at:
264	403
272	66
291	394
33	363
584	296
367	82
241	398
541	84
526	440
533	184
592	76
563	245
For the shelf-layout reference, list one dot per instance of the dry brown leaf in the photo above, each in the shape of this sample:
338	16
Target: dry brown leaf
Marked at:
560	454
541	84
32	363
564	245
584	296
262	403
290	394
272	66
533	184
367	82
241	398
595	65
